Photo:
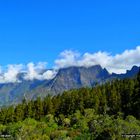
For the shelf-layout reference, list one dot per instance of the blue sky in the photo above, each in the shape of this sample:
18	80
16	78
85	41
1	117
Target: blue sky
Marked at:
32	30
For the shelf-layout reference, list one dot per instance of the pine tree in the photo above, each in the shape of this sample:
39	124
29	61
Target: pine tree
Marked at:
48	105
10	114
38	108
28	111
19	113
136	98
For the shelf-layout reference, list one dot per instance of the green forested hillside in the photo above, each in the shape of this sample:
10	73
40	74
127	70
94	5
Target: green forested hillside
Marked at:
104	112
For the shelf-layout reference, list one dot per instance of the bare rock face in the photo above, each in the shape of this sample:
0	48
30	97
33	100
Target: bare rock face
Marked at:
76	77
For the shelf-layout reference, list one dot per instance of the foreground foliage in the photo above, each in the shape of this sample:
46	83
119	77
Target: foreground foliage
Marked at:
77	127
103	112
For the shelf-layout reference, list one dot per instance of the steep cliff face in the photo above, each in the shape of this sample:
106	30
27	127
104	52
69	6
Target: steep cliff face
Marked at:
76	77
66	79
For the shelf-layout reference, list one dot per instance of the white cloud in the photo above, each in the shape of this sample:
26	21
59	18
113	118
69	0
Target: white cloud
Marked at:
39	72
49	74
118	63
66	59
126	59
102	58
32	71
10	76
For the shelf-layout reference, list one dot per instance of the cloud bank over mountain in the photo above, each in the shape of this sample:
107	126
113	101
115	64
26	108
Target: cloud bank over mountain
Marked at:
31	71
118	63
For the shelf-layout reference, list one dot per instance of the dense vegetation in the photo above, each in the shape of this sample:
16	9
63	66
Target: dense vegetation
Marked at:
103	112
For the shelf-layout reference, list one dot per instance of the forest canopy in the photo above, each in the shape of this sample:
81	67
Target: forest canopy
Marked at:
108	111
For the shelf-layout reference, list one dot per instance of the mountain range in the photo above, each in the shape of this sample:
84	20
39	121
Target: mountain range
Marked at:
65	79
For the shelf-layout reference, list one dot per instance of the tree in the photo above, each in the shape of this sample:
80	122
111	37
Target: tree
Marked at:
136	98
28	111
19	113
38	109
48	105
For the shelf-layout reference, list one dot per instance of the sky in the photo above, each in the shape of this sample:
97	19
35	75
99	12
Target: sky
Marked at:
46	30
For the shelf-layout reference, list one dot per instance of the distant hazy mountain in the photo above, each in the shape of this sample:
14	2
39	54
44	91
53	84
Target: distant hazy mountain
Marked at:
66	79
